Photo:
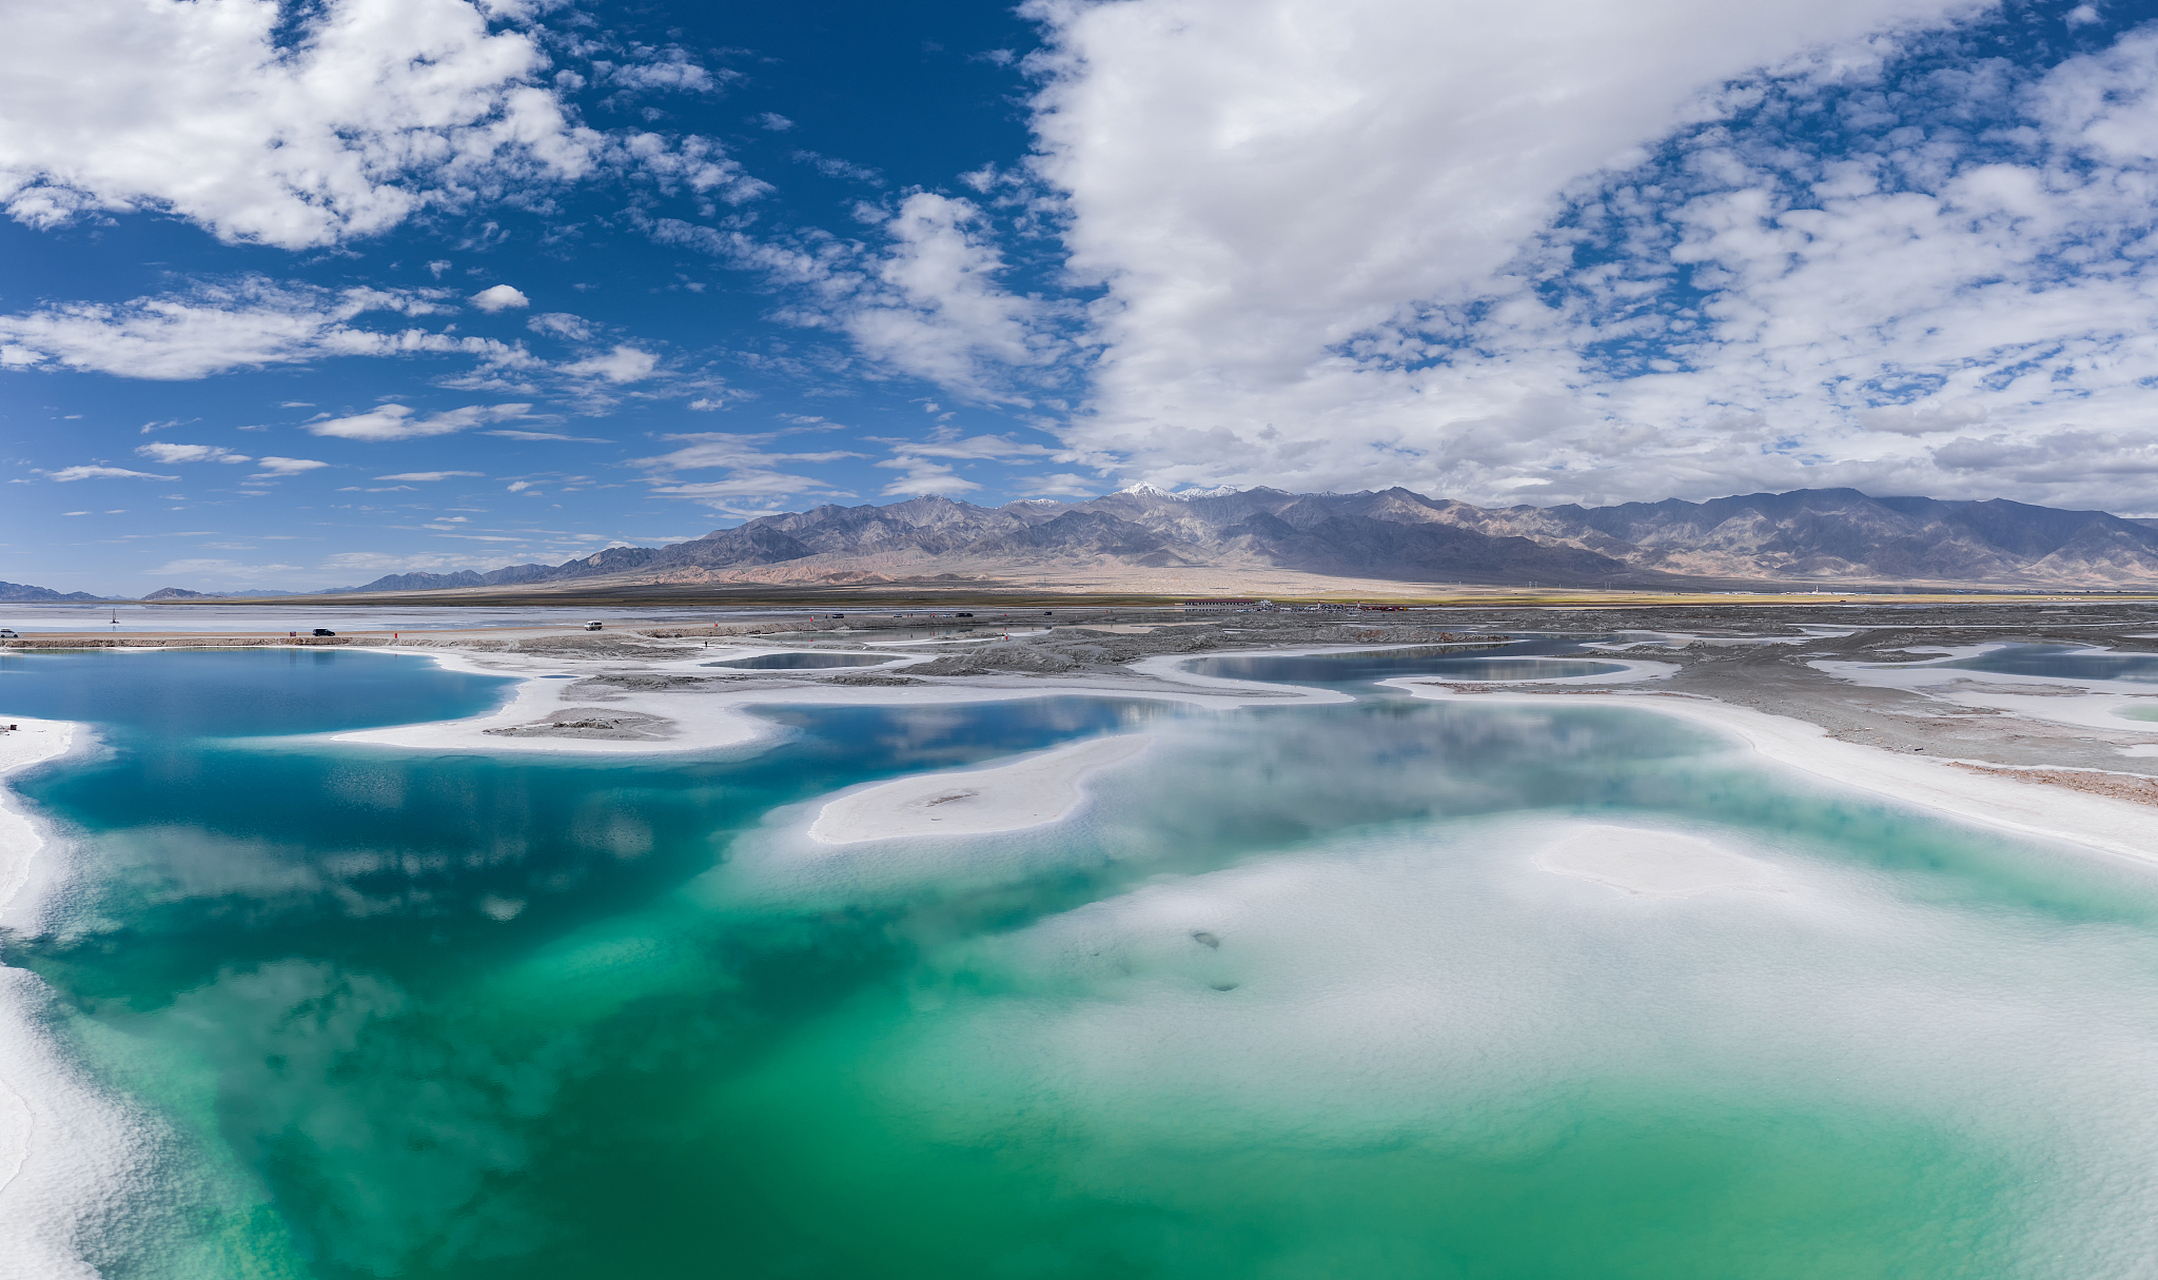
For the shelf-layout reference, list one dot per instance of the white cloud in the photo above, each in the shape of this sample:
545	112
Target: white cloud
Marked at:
402	422
561	324
171	453
546	435
500	297
834	167
274	466
216	328
661	69
746	484
1061	485
705	449
369	565
383	107
430	476
927	302
220	570
1270	192
693	163
623	364
89	472
947	443
774	121
923	476
752	470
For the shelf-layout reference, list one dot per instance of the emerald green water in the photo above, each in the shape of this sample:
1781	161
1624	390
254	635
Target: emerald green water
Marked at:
1291	997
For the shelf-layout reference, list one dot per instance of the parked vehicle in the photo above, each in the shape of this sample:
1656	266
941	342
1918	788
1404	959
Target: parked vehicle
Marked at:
324	631
8	633
593	625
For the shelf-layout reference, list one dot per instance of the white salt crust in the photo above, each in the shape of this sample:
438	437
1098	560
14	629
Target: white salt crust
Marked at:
66	1149
1029	792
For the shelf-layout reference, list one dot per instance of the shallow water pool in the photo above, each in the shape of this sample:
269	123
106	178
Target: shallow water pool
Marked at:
803	661
1520	661
2062	662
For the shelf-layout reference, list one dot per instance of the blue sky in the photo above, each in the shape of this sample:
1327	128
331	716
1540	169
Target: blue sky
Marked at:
295	296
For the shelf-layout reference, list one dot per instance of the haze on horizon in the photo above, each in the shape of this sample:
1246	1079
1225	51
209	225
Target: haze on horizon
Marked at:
376	286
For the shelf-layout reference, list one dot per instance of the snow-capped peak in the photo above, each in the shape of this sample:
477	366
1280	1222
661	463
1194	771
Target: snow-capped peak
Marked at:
1147	489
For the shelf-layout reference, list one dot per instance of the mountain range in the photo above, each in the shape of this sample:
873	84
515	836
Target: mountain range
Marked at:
1256	541
24	593
1146	535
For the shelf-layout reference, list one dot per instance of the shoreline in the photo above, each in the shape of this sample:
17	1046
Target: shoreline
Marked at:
64	1142
1958	788
36	742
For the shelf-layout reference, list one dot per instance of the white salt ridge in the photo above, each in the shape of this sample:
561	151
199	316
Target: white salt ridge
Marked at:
1656	864
32	742
66	1149
2117	827
1034	790
2102	704
718	718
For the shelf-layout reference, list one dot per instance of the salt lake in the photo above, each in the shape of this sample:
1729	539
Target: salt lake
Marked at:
1374	987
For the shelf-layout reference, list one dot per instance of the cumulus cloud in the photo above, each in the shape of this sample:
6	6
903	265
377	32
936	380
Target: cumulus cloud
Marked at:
215	328
381	108
623	364
500	297
172	453
403	422
428	477
275	466
1337	240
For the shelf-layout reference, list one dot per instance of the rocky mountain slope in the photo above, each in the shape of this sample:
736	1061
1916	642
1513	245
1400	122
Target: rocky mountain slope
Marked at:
23	593
1807	536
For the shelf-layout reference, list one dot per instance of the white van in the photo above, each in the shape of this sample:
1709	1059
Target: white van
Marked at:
593	625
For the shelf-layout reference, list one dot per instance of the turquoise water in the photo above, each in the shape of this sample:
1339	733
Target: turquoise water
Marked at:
224	693
1521	661
804	661
1292	997
2064	662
